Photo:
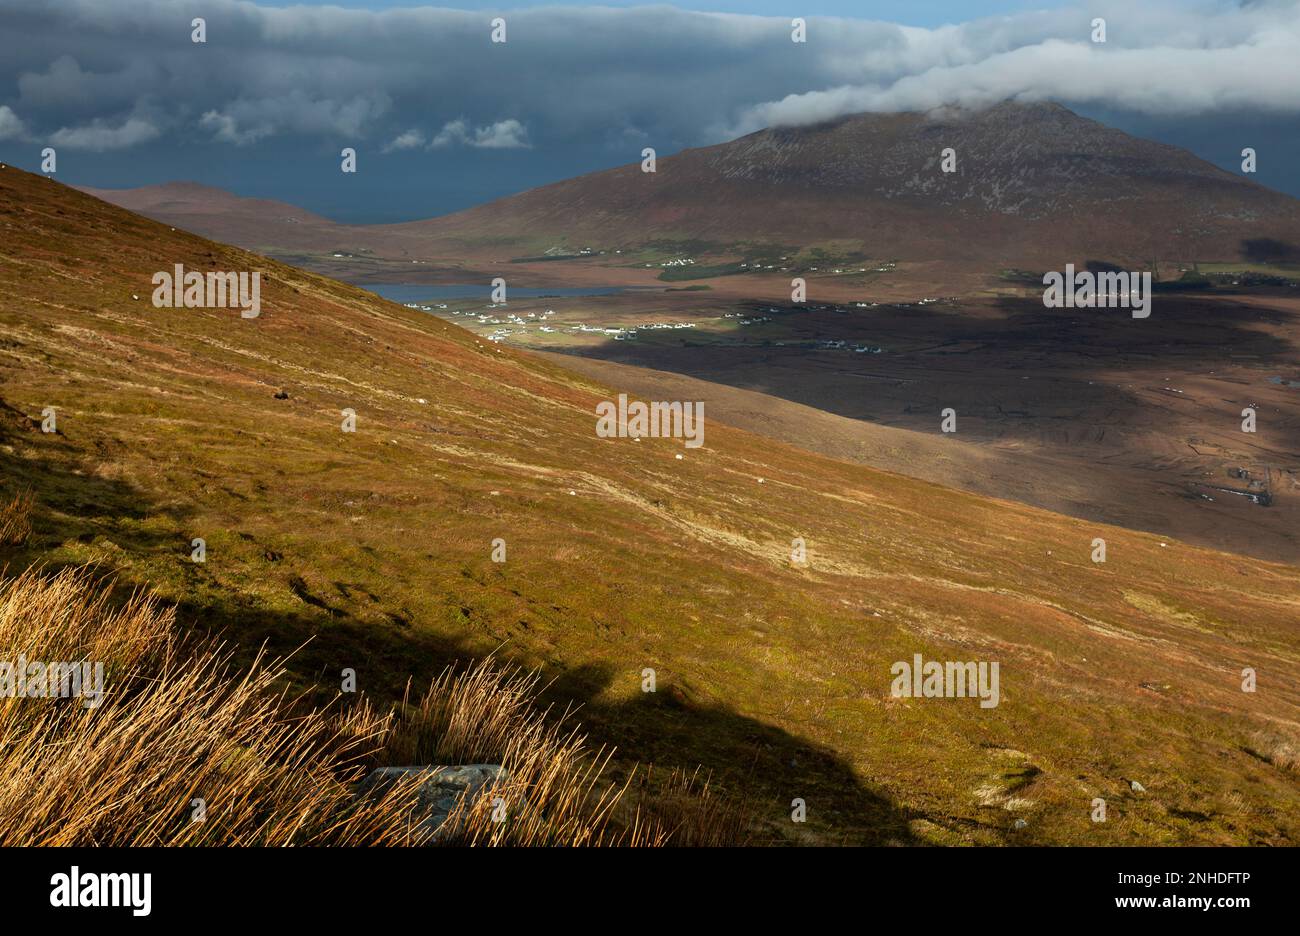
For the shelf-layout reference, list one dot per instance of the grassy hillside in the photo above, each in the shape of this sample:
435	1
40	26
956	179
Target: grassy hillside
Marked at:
375	546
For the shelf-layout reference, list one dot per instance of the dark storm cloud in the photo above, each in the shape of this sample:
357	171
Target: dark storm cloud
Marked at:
102	76
102	72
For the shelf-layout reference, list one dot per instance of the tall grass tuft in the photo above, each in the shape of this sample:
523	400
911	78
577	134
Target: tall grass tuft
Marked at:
16	519
177	736
554	791
183	748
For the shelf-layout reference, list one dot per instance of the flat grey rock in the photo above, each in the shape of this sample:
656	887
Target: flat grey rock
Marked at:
440	791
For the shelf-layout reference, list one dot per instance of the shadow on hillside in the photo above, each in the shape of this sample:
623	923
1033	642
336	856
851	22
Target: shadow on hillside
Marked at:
1269	250
771	766
935	355
763	765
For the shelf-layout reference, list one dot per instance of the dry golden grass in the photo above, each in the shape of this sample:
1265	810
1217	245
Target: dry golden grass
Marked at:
1278	749
177	724
174	725
555	791
684	810
16	519
552	789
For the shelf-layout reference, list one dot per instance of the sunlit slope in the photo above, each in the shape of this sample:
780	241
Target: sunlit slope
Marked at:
621	557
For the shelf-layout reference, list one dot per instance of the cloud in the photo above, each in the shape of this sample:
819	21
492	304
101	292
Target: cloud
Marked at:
64	84
246	120
100	135
11	128
504	134
125	73
410	139
1164	81
226	129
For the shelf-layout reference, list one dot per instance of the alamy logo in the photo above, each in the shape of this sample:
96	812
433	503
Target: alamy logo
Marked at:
103	890
633	420
1105	290
195	290
949	680
24	679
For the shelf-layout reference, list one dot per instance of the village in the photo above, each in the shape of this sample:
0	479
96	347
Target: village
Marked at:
498	325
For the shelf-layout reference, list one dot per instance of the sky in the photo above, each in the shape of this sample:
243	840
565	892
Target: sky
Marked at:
443	118
905	12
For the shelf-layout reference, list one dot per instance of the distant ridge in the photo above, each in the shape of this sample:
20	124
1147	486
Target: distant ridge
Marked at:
205	209
1034	183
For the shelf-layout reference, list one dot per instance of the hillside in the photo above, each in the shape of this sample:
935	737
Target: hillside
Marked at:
1034	184
247	221
375	546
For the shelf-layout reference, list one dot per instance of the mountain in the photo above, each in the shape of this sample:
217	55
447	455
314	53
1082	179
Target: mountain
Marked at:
1034	184
373	551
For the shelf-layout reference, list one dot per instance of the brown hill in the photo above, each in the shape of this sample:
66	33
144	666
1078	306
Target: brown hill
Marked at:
250	222
1033	182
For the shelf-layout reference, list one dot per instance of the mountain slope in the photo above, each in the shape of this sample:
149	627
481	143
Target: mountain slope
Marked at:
374	548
